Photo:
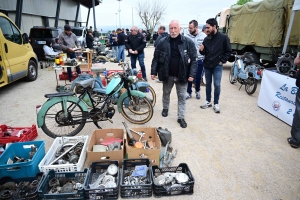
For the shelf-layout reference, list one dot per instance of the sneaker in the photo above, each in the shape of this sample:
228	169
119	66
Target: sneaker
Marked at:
206	105
216	108
198	95
187	96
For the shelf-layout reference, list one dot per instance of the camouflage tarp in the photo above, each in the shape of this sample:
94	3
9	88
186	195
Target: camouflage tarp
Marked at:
263	23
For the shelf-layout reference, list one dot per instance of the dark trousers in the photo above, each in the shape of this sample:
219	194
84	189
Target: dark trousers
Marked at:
198	78
295	132
69	69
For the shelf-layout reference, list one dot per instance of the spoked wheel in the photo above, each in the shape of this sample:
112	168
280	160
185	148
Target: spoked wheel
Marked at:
137	110
96	97
57	125
251	85
232	79
150	94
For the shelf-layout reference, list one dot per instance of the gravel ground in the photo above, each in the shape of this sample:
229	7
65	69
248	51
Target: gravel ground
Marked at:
241	153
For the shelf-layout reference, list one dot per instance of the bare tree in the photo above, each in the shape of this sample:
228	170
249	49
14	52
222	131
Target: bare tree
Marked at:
151	12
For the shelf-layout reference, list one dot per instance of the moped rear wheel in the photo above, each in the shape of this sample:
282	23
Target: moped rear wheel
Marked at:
57	125
150	94
232	79
136	110
251	85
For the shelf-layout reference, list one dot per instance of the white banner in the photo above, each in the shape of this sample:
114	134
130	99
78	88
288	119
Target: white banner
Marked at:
296	5
277	95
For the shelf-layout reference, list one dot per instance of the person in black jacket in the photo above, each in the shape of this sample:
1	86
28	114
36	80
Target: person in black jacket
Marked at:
121	45
89	39
161	34
175	62
136	42
294	140
217	50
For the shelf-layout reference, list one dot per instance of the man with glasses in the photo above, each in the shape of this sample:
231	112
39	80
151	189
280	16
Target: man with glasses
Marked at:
197	37
136	42
68	41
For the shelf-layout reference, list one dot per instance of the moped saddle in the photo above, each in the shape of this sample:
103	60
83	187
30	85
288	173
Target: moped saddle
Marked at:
97	69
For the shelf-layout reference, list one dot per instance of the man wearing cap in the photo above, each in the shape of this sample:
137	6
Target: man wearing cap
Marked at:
68	41
197	37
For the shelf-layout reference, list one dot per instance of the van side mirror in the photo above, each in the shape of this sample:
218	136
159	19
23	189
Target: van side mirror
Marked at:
25	38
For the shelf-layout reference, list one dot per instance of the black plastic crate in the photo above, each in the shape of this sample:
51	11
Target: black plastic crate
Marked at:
63	177
24	184
136	191
179	189
107	193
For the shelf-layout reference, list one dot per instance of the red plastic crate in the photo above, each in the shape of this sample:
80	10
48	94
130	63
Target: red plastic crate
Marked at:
17	134
65	76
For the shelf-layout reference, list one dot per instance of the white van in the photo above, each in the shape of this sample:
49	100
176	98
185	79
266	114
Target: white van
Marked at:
80	32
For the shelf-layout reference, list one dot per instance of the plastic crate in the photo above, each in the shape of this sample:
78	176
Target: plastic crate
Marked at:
108	193
17	134
57	143
65	76
32	194
136	191
21	169
77	177
183	188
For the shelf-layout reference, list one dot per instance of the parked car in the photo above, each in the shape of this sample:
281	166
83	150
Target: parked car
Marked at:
80	32
40	34
17	58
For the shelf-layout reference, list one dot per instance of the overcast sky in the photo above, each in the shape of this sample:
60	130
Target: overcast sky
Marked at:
182	10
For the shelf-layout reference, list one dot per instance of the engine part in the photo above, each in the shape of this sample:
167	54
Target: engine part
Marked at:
7	194
132	140
67	188
34	149
285	63
112	169
77	186
182	178
54	182
165	135
114	146
73	159
64	153
160	180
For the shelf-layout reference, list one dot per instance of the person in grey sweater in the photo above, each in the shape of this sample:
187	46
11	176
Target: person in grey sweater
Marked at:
197	37
68	41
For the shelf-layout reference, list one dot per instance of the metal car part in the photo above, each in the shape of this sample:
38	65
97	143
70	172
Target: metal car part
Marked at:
55	160
73	159
67	188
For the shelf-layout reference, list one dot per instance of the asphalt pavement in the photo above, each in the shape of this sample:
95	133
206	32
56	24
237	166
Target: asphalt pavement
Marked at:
241	153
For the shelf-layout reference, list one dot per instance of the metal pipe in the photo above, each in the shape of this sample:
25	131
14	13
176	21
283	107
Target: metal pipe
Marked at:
93	3
64	153
57	13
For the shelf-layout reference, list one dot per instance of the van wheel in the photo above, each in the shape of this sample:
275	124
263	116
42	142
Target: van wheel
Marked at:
32	71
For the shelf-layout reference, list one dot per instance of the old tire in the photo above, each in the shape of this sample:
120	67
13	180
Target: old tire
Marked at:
32	72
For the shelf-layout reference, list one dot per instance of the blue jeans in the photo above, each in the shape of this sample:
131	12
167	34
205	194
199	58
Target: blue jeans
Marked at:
121	53
215	73
140	57
115	51
69	69
198	78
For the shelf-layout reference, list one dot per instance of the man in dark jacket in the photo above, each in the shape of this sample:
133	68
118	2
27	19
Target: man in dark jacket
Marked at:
121	45
161	34
89	39
114	44
175	62
294	140
217	50
136	42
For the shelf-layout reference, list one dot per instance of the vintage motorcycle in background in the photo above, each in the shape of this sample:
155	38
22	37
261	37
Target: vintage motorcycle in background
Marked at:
245	71
65	114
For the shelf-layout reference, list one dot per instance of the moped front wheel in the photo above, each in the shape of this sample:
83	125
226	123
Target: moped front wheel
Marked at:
232	79
136	110
57	125
251	85
150	94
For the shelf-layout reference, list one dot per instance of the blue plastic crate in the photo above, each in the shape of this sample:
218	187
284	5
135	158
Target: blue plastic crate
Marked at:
21	169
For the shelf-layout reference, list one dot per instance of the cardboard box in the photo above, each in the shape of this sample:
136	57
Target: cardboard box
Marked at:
152	154
110	155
